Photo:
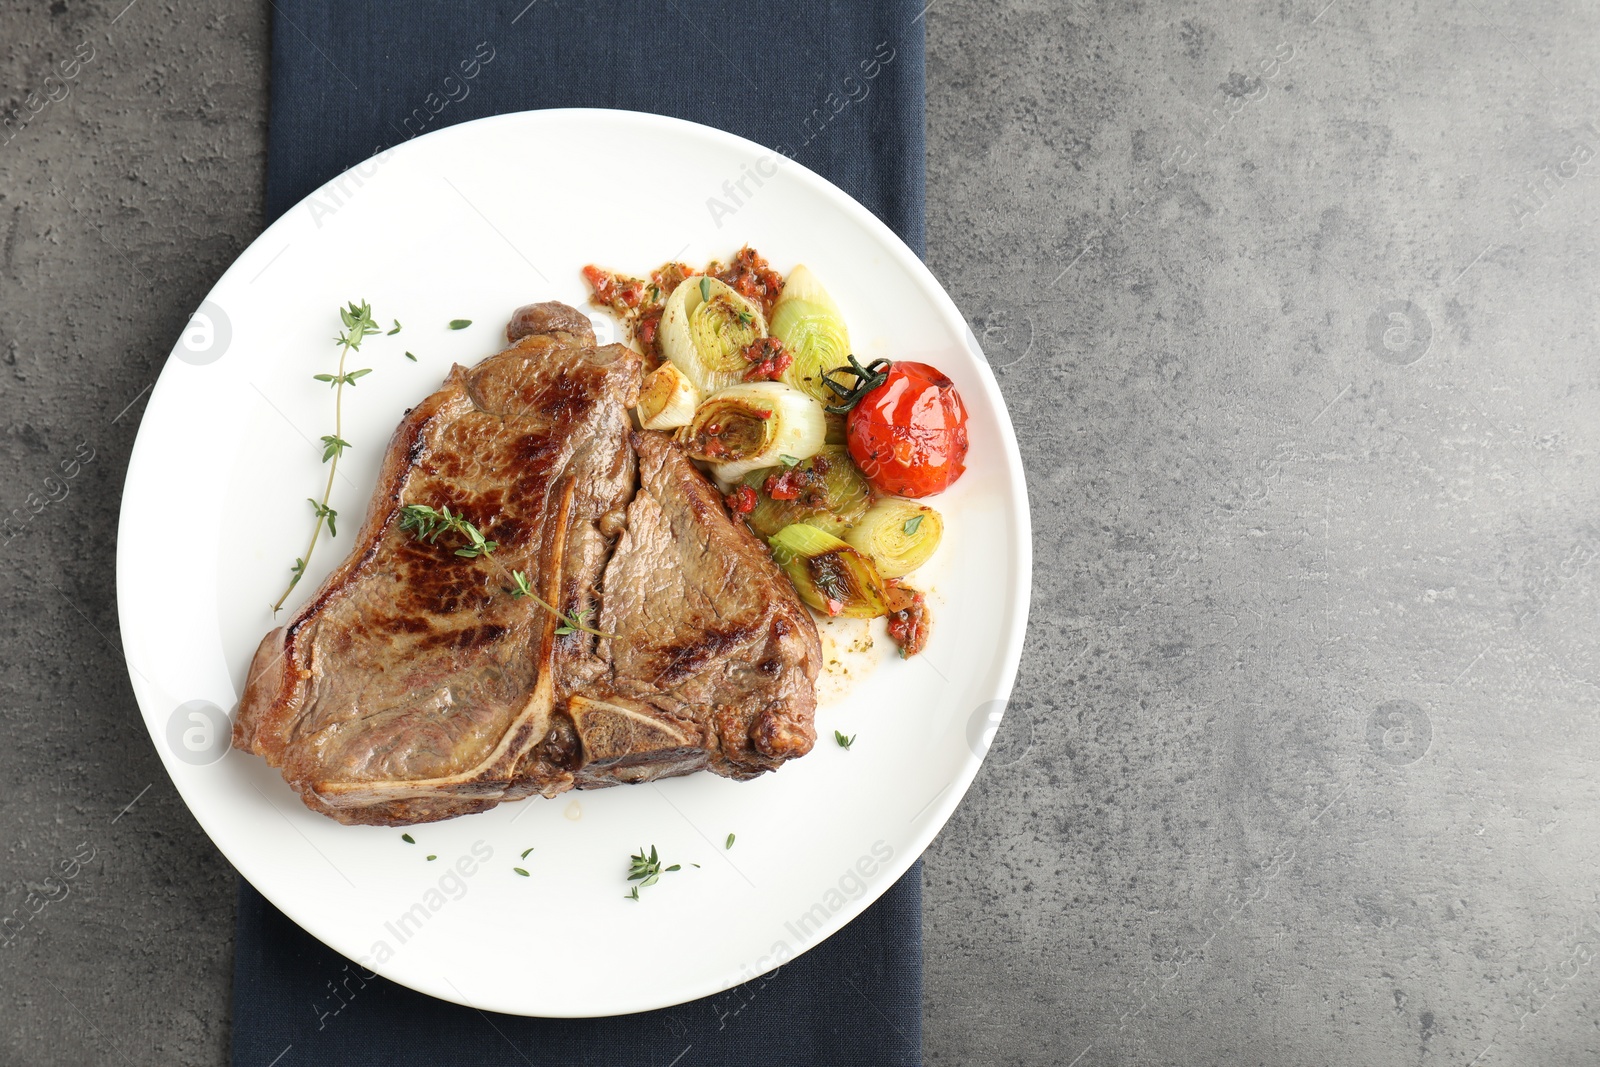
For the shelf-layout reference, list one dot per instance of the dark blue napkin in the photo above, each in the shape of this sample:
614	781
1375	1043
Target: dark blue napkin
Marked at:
837	86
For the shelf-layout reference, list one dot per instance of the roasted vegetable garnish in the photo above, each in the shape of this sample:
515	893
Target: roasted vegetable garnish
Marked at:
826	491
908	619
828	574
706	328
667	399
751	277
898	534
768	360
752	425
808	323
907	427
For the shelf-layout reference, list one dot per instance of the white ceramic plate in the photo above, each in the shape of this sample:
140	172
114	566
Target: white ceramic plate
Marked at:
471	222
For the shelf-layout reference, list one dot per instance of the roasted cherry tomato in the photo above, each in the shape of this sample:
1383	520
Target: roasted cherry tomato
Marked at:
907	428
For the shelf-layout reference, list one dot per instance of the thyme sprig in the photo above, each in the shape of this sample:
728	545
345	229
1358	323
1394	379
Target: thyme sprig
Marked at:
523	587
358	325
843	741
574	622
334	380
570	623
323	511
427	524
647	871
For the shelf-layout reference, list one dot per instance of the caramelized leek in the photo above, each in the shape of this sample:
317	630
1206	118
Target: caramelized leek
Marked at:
899	535
828	574
829	492
754	424
705	328
812	330
667	399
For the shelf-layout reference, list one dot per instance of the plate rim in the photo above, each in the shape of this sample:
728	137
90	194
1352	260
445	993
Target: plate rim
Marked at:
1020	591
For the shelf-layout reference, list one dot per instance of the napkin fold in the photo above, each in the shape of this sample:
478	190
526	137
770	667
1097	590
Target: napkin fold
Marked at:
836	86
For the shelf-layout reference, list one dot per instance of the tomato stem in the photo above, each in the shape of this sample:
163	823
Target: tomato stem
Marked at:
867	379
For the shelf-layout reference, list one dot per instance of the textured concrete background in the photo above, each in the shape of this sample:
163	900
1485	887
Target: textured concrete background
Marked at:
1294	308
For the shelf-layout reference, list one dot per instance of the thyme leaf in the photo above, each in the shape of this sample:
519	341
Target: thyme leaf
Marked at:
646	870
323	511
843	741
578	620
342	379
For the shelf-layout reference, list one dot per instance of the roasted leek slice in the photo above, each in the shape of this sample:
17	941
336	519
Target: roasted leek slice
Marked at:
812	330
828	574
667	399
898	534
827	491
705	328
754	424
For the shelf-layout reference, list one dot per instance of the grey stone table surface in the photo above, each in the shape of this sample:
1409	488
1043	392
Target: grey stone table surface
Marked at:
1294	306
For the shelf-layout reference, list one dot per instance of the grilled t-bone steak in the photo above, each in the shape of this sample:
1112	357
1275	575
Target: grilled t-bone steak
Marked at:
415	686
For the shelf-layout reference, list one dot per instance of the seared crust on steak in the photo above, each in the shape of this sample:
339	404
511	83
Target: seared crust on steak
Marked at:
413	686
712	660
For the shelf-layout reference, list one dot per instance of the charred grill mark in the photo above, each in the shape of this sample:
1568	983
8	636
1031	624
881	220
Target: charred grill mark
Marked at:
567	398
466	638
402	624
533	449
417	445
506	530
490	501
691	657
442	583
